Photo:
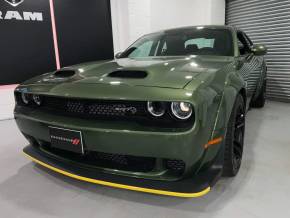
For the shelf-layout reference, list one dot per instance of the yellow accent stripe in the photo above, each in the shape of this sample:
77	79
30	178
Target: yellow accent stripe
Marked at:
116	185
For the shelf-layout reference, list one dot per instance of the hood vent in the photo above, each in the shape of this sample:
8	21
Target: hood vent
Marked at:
64	73
130	74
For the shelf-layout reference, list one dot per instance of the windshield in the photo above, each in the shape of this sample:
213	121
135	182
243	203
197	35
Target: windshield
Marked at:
183	42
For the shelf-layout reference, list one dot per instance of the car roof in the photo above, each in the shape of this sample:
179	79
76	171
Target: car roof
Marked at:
225	27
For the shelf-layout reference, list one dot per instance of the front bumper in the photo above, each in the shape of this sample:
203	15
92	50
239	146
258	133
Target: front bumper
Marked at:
102	137
116	138
192	187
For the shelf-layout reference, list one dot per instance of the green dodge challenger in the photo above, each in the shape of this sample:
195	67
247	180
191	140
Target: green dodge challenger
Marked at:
167	116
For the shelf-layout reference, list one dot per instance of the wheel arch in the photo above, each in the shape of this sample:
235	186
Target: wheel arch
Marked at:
243	93
234	85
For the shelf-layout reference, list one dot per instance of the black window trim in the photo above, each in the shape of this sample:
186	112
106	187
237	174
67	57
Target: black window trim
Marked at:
243	40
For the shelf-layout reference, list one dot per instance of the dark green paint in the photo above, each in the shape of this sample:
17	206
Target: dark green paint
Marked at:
210	83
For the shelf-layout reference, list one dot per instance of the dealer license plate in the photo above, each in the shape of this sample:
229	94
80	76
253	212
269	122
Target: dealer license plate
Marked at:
66	139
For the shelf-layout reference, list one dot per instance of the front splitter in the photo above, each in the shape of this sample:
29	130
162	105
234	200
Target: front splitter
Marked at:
187	188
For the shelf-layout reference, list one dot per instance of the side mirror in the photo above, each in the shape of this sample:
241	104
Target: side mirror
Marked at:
259	50
118	55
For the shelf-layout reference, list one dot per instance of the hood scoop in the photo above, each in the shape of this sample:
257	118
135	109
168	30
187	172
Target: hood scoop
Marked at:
128	74
65	73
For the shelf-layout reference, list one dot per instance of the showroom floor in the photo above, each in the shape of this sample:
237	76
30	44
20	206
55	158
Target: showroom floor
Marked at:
260	190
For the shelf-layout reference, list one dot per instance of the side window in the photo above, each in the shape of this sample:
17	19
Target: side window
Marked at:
161	48
143	50
244	47
164	48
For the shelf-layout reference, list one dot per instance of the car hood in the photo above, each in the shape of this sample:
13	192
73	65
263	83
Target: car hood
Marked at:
164	72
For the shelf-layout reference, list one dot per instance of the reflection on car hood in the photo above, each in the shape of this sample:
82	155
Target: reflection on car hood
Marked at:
167	72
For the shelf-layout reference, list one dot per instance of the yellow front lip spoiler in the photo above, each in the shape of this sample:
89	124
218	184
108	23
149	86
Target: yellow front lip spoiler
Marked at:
116	185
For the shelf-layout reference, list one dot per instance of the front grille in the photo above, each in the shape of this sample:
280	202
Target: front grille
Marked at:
122	162
107	160
111	110
113	161
95	108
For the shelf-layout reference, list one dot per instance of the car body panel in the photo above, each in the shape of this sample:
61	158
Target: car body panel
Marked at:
177	72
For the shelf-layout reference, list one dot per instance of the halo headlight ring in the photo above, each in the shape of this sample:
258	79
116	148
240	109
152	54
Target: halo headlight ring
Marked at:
25	98
181	110
156	109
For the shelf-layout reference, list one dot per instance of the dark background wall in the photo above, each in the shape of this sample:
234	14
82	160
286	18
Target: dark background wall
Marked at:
84	30
26	47
84	34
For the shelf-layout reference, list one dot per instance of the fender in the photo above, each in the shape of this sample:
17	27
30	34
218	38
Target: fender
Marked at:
234	84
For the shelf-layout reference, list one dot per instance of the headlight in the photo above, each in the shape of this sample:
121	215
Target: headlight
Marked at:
37	99
181	110
157	109
25	98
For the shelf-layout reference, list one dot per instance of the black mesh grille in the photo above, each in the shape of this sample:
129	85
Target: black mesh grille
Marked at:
107	160
177	166
122	162
95	108
75	107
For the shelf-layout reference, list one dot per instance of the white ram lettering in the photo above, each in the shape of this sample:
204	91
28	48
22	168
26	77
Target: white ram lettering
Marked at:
13	15
35	16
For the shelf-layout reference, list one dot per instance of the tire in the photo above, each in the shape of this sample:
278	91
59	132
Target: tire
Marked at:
259	102
234	140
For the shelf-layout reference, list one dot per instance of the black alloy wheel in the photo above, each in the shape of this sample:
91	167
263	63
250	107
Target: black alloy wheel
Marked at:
234	141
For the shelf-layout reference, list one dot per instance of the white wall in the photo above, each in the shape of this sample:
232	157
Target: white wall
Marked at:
217	12
6	102
139	18
130	20
145	16
120	24
173	13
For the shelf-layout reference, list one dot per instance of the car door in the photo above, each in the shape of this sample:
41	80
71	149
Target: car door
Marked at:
258	74
250	64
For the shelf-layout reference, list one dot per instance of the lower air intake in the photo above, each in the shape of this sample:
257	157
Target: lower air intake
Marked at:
176	166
